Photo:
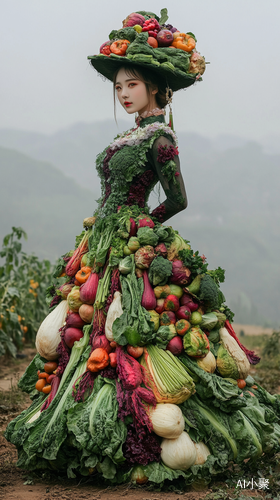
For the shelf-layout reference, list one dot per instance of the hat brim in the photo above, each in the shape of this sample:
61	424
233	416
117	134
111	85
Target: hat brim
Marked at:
107	66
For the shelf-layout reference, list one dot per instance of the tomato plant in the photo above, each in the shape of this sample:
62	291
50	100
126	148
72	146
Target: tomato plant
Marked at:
23	283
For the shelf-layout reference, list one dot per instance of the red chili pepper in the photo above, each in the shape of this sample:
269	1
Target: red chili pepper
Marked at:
153	33
106	50
113	359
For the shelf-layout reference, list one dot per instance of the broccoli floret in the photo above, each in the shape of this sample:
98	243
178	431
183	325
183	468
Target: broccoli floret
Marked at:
209	292
159	271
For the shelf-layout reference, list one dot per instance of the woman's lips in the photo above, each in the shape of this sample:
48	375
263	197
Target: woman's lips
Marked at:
126	103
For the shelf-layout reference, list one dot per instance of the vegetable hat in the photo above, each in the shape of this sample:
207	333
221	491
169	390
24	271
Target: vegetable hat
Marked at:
145	40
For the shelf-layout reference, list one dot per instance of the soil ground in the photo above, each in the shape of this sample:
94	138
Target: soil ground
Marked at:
17	484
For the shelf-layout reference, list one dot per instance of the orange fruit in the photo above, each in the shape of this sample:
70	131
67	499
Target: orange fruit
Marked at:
152	42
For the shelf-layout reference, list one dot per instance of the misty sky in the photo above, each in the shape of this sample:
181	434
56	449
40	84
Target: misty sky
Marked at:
47	83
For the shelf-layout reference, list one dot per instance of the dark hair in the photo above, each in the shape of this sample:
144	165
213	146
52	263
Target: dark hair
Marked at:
150	79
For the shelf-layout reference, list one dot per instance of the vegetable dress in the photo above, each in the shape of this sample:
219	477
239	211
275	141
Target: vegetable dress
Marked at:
139	375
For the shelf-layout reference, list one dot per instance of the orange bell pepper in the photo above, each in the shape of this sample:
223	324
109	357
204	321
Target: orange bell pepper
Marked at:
119	47
183	41
98	360
83	274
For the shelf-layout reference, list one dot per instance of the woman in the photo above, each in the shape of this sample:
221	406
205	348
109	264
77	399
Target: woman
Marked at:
146	322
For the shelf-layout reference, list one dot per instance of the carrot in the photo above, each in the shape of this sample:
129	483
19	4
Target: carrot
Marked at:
47	389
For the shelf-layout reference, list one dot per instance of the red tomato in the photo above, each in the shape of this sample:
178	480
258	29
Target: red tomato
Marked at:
135	352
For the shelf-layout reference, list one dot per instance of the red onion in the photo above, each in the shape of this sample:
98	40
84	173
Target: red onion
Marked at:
175	346
180	273
183	313
89	288
187	300
103	342
74	320
149	300
71	335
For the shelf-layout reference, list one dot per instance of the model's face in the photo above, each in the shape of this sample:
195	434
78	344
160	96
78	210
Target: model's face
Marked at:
132	94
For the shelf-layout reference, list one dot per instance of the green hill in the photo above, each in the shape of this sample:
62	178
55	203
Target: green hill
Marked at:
48	205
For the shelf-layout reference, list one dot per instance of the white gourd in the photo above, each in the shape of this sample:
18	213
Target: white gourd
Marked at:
202	452
179	453
48	336
115	311
208	364
167	419
236	353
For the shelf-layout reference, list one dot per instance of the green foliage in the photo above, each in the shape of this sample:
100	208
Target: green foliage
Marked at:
193	261
272	345
23	282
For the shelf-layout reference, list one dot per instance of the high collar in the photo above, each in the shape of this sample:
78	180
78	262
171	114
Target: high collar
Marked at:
151	119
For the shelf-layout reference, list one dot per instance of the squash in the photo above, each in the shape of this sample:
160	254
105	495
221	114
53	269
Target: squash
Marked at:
48	336
115	311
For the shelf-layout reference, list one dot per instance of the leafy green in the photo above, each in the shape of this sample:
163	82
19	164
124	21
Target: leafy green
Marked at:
159	271
213	389
229	436
29	378
123	34
146	236
163	336
134	326
218	275
269	432
163	16
96	428
164	233
209	321
193	261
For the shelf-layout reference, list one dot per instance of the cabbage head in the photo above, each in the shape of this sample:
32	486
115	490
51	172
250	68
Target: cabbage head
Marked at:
226	365
196	343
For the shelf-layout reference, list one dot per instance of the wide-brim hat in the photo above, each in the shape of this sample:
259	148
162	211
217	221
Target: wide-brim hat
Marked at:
107	66
171	64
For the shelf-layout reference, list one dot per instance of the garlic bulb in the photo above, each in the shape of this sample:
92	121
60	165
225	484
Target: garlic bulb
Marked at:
179	453
115	311
167	420
202	452
48	336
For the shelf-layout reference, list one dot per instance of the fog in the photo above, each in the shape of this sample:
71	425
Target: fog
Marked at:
47	83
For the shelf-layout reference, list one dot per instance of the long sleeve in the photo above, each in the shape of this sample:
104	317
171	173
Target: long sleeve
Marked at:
165	162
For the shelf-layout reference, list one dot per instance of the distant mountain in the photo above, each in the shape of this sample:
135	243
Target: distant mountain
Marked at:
233	215
48	205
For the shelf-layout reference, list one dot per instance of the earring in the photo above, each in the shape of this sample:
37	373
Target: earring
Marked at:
169	96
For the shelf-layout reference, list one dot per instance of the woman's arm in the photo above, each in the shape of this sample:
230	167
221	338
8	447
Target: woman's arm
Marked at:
165	161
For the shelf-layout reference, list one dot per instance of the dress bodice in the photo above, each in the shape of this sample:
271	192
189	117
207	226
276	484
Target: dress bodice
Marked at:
132	165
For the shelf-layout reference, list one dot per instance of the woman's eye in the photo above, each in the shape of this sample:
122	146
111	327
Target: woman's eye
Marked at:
132	84
118	88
